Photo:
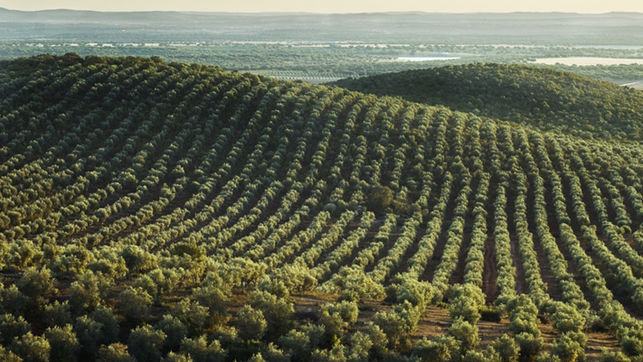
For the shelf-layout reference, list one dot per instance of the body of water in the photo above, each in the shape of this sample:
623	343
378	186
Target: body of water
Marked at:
588	61
424	59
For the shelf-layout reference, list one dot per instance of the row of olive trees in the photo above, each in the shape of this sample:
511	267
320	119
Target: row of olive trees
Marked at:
627	328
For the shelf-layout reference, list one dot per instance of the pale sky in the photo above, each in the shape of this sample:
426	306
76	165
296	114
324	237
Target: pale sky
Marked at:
330	6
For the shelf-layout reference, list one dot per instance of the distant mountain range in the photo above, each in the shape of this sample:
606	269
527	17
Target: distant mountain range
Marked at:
546	28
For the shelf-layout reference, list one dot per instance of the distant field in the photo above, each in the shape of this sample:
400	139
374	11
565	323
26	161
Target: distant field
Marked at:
583	61
636	84
311	77
423	59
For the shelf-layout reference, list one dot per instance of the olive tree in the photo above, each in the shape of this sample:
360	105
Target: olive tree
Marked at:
11	327
251	323
145	343
277	311
174	330
337	317
115	352
134	304
31	348
203	351
64	343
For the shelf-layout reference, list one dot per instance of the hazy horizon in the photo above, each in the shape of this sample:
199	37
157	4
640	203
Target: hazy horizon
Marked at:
327	13
331	6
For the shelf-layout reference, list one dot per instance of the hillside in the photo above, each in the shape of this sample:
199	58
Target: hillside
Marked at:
169	210
538	96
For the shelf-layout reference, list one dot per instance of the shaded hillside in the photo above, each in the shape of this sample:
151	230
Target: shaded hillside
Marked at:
541	97
142	203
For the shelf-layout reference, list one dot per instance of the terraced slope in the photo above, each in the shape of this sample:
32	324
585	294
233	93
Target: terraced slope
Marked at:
147	189
541	97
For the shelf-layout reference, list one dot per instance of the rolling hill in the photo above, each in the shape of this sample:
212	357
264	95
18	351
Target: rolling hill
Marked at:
153	209
541	97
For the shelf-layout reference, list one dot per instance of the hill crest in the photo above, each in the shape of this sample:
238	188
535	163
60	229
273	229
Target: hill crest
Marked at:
540	97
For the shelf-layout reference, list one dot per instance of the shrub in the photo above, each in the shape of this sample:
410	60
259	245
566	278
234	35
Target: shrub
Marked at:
145	343
399	322
165	280
337	317
177	357
442	348
336	354
108	263
202	351
84	293
23	253
187	248
274	354
13	301
315	333
227	335
251	323
417	292
354	284
474	356
137	259
90	334
134	304
466	302
360	346
490	314
330	207
570	346
8	356
109	322
297	344
31	348
613	356
146	283
11	327
101	327
277	311
289	278
567	319
115	352
380	198
503	349
529	343
57	314
214	298
194	316
174	331
632	343
257	357
545	357
72	261
275	285
63	342
379	339
524	325
465	333
37	285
